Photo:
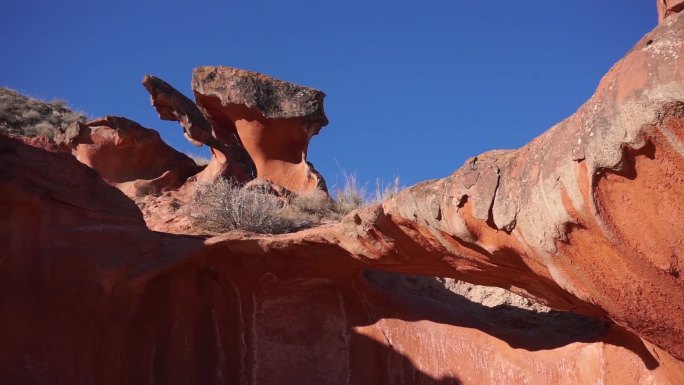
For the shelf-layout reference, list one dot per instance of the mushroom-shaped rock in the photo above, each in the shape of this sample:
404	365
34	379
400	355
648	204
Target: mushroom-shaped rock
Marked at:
274	120
229	160
128	155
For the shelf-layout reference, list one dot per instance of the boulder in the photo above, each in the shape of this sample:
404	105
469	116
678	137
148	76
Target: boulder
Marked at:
127	155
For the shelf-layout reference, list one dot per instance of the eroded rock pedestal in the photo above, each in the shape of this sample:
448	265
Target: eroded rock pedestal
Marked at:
255	125
585	219
274	120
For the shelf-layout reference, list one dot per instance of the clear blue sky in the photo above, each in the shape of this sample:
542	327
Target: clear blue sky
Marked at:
414	87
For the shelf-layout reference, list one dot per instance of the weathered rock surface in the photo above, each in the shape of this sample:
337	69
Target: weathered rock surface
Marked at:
584	218
581	218
128	155
156	308
229	158
669	7
272	98
255	125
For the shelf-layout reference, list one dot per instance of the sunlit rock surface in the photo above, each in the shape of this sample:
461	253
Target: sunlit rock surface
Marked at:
255	125
128	155
584	220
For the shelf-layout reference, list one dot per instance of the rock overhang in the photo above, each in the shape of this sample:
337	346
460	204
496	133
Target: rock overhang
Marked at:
273	98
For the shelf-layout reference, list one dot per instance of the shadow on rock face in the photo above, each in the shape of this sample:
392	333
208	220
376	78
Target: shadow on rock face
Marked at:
200	326
521	327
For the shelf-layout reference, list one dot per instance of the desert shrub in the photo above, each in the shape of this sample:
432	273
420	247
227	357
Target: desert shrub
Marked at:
31	115
351	196
224	206
44	129
312	209
70	117
58	103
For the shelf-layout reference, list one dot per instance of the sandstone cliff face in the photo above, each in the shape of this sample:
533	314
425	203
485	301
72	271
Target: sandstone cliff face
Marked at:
584	218
96	297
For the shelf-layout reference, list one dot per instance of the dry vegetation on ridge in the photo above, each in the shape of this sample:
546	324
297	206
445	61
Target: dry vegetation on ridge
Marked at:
25	116
220	206
224	206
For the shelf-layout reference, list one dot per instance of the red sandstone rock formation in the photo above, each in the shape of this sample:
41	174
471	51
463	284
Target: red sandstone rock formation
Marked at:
584	218
90	295
252	121
229	158
128	155
669	7
274	119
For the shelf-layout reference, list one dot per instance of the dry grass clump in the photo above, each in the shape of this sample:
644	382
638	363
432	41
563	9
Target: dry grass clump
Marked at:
21	115
351	196
312	208
384	191
354	196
